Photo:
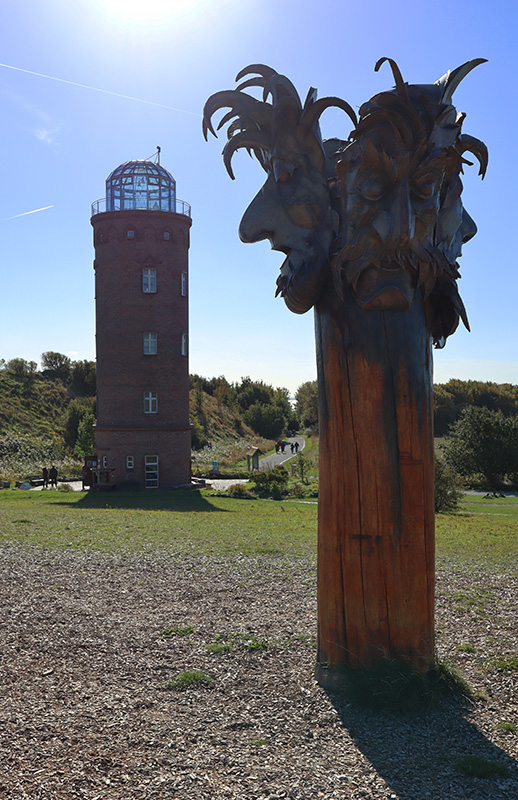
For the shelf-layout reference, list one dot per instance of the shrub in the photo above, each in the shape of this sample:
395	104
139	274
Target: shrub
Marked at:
241	492
272	482
448	490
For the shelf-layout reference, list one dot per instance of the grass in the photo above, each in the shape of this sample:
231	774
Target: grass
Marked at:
390	686
486	535
504	663
237	641
506	727
184	630
192	679
478	767
184	522
191	522
465	647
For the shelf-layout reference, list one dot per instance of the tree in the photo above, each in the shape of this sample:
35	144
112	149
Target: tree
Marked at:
85	442
306	404
447	489
83	378
56	365
483	442
21	368
250	392
76	410
266	420
451	398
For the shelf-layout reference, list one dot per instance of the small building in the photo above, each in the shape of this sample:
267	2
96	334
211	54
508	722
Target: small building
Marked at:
141	241
252	458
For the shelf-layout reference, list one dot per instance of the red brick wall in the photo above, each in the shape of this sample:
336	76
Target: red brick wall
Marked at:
123	314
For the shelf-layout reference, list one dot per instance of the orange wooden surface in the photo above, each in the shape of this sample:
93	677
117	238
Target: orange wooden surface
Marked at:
376	513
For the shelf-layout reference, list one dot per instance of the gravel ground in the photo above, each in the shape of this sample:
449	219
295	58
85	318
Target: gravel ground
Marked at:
88	648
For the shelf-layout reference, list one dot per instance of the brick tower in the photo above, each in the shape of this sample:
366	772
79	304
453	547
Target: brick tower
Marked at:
141	241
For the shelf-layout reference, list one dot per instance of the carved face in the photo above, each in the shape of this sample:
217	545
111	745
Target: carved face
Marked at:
293	211
391	203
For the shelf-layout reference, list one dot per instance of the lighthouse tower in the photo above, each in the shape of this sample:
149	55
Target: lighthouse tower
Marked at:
141	241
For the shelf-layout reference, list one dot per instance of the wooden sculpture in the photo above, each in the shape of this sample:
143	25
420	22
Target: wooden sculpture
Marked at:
371	227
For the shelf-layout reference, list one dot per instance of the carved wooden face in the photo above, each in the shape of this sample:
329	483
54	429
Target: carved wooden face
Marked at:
293	211
391	202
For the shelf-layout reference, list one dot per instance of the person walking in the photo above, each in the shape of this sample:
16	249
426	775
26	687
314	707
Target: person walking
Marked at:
45	476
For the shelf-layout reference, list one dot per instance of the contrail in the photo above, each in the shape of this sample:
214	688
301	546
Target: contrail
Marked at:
96	89
44	208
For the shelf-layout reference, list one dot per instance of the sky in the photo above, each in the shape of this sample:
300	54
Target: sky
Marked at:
86	85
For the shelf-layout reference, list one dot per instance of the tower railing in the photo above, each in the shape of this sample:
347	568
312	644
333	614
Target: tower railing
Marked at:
180	207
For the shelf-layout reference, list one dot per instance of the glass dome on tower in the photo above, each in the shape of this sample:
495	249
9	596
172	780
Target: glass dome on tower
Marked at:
139	185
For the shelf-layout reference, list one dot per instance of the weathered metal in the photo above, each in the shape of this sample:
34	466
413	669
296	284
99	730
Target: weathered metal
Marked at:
372	228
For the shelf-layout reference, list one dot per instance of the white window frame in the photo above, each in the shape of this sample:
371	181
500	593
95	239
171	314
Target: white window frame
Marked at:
185	344
150	343
150	402
149	280
151	472
130	462
184	284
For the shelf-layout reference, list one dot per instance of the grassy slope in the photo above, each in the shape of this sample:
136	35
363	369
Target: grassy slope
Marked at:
195	522
31	405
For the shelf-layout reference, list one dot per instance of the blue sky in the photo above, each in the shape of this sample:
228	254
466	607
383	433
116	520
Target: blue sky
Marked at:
60	140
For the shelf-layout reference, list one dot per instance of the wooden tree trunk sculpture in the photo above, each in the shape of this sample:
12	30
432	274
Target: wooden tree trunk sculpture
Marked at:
371	228
376	503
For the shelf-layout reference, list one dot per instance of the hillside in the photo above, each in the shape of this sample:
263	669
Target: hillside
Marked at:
37	405
32	405
219	432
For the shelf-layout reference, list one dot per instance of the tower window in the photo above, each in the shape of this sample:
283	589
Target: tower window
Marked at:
130	234
166	236
150	344
130	462
149	281
184	284
184	344
151	472
150	403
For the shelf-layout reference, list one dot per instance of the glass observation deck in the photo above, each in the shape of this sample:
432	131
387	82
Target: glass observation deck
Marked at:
140	185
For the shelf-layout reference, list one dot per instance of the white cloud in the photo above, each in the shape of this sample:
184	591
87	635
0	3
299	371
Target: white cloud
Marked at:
46	135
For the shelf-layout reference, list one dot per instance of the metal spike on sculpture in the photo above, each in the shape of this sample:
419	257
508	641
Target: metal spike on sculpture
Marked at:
371	226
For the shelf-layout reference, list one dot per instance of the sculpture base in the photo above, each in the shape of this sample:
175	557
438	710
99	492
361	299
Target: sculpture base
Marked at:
392	686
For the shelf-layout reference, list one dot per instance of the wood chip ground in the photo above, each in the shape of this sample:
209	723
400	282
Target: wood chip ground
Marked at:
89	642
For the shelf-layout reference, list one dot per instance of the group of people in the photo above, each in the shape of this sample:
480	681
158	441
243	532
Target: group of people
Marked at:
280	446
50	475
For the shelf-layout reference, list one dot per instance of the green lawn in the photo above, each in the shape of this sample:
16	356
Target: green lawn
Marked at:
485	533
179	521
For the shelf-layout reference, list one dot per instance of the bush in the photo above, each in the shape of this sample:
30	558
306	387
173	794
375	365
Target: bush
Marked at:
25	455
273	482
483	442
267	420
448	491
241	492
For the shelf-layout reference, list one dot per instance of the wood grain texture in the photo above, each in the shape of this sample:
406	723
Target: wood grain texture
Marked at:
376	512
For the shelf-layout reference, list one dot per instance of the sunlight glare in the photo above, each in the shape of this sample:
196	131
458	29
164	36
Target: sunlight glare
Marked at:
142	10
